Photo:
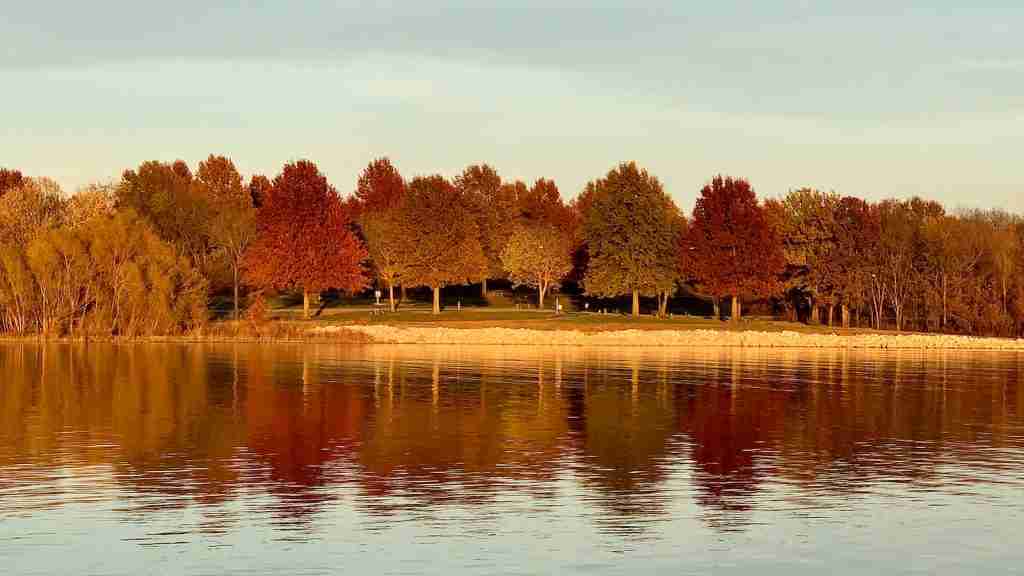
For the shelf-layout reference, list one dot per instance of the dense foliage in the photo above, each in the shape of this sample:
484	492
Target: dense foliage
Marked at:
303	240
632	233
157	250
730	248
537	255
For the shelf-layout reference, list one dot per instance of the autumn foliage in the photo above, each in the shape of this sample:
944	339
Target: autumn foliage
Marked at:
160	249
441	238
730	248
303	238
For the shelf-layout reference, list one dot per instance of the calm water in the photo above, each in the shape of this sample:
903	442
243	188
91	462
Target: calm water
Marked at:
383	460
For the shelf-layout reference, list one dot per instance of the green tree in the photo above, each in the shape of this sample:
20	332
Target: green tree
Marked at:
631	229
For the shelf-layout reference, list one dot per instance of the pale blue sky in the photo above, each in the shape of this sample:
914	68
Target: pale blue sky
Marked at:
870	98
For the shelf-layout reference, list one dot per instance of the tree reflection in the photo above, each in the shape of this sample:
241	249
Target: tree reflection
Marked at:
293	431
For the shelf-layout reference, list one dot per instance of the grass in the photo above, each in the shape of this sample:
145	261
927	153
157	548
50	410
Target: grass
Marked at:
420	316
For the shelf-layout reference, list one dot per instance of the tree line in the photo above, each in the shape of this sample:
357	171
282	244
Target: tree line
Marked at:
143	255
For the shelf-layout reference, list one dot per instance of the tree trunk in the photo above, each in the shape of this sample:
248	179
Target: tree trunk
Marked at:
236	289
541	289
305	303
391	296
945	306
1004	296
831	307
437	299
814	318
636	303
844	311
663	304
483	289
401	295
717	309
737	309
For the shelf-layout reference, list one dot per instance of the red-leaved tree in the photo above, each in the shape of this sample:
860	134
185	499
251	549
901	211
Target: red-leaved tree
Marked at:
380	187
303	239
730	248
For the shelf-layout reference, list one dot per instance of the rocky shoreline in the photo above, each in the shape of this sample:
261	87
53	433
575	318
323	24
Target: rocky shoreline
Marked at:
672	338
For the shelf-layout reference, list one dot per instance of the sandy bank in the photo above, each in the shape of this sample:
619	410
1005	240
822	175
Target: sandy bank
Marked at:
675	338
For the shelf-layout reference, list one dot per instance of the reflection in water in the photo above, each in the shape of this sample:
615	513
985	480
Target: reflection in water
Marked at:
190	444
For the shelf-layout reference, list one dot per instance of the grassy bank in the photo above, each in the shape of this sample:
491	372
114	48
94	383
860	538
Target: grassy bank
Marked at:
475	326
545	320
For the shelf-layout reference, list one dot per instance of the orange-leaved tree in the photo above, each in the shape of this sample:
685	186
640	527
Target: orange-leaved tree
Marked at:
232	223
379	194
730	247
493	207
303	241
442	241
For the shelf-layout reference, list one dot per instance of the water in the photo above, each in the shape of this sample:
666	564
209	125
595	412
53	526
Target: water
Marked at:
281	459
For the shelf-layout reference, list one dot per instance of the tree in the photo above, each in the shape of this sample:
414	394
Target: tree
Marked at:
855	254
808	235
232	225
259	188
537	255
952	249
631	231
9	180
541	202
113	276
89	203
303	241
380	187
732	248
141	284
493	207
164	195
35	205
896	251
384	233
1003	254
440	236
380	192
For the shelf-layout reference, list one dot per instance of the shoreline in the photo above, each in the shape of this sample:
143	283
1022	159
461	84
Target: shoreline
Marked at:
384	334
697	338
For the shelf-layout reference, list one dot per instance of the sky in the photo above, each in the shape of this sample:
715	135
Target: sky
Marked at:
870	98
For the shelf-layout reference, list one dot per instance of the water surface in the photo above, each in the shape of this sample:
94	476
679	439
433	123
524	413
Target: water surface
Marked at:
297	459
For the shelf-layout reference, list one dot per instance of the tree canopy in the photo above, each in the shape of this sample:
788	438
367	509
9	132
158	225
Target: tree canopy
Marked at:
538	254
303	238
730	247
441	237
631	229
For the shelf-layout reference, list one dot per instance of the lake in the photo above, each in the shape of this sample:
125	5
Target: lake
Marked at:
316	459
